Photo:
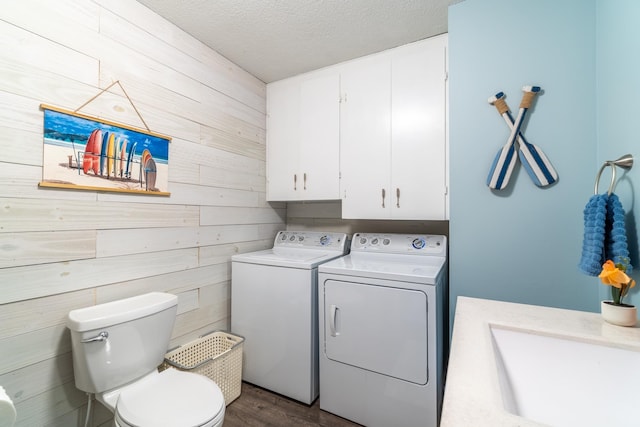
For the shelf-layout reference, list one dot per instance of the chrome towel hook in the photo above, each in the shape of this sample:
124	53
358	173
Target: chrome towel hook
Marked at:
625	162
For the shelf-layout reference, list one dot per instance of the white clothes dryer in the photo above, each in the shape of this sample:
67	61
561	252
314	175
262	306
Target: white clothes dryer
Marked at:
381	330
274	306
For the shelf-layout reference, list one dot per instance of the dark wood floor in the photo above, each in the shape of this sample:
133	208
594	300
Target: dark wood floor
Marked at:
257	407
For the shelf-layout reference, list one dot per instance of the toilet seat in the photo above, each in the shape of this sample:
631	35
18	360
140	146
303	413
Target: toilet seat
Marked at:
171	398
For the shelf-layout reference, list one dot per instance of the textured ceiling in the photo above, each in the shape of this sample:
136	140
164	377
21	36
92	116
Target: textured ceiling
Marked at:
274	39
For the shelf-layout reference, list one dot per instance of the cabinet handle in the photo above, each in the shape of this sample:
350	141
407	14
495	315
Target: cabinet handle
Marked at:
305	180
383	194
295	181
397	197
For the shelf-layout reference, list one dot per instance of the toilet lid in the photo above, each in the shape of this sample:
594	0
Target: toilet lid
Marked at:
171	398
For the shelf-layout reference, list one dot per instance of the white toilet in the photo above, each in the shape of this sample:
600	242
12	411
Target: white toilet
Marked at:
117	348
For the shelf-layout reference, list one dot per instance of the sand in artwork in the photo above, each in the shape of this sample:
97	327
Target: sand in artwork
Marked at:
57	170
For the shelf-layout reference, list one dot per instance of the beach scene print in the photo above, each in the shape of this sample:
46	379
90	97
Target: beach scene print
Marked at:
94	154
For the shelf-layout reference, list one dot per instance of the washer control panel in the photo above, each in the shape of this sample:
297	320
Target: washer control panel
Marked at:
427	244
311	239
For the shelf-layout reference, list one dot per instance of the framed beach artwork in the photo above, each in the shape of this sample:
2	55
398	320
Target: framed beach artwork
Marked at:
87	153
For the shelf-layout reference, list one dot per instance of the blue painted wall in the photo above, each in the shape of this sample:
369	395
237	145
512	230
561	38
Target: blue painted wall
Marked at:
618	110
522	244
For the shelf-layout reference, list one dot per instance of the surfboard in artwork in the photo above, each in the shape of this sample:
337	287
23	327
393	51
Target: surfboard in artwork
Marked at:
103	151
150	173
123	152
89	151
97	150
130	160
110	152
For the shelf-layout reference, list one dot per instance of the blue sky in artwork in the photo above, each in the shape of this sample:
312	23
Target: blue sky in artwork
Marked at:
67	129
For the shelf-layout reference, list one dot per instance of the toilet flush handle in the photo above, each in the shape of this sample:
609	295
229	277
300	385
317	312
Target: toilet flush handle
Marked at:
102	336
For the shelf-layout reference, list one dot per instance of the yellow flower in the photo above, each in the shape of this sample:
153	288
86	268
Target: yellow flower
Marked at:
613	276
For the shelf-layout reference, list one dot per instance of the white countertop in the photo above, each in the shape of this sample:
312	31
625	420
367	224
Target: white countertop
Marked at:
472	392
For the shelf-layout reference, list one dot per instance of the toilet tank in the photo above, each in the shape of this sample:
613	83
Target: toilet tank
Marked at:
139	330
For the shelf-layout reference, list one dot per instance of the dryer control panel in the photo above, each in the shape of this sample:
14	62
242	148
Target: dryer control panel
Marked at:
411	244
311	240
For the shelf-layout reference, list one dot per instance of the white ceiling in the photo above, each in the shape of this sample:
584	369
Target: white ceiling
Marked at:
274	39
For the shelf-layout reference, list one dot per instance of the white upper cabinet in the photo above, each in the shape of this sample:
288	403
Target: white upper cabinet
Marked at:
303	137
393	134
365	140
418	131
370	132
283	110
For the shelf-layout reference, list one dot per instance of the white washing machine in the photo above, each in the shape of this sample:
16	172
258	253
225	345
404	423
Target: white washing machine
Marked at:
381	330
274	306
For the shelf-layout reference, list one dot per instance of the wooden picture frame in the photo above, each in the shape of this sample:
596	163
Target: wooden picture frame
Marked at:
82	152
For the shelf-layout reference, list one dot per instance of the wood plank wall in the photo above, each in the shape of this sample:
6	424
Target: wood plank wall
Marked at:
61	250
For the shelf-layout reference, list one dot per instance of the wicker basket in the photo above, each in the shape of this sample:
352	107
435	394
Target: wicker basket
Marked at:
217	355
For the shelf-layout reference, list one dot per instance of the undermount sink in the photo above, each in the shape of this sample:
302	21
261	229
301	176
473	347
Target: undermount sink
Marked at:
563	382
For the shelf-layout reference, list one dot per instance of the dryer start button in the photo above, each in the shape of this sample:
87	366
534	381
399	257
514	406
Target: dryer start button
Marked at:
418	243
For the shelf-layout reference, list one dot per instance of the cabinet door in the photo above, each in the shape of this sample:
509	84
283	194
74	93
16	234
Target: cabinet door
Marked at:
320	137
365	138
283	99
418	160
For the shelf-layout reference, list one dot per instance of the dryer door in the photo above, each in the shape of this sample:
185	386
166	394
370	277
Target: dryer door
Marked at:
377	328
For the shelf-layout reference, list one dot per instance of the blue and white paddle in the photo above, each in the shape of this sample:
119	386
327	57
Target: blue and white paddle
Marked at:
533	159
505	160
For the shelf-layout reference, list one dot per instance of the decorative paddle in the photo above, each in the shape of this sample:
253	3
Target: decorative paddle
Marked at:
533	159
505	159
